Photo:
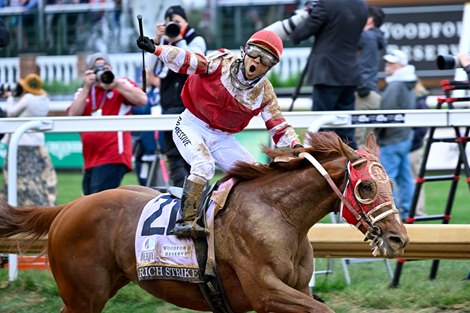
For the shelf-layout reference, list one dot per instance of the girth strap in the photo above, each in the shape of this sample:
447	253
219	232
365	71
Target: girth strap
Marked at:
211	287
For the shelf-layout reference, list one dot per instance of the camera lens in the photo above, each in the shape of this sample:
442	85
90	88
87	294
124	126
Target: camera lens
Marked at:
3	88
107	77
15	89
104	76
446	62
172	29
287	26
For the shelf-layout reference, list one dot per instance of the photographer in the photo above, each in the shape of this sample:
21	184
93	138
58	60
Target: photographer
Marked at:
333	67
107	155
371	46
175	32
36	183
464	59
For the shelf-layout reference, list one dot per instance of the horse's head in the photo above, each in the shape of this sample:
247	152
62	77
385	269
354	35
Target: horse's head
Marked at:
369	201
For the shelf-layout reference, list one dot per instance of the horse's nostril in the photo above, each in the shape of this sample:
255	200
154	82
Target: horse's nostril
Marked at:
396	240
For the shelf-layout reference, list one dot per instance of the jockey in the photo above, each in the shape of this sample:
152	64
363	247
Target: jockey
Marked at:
222	94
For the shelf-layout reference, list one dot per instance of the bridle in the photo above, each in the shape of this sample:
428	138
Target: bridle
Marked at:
366	212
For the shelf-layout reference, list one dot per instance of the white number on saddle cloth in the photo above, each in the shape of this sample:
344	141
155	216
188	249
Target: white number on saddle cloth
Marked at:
160	255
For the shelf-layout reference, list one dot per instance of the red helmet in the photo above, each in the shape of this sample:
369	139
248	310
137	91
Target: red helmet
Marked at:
268	39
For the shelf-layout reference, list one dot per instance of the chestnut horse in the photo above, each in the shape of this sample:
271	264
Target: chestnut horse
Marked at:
263	254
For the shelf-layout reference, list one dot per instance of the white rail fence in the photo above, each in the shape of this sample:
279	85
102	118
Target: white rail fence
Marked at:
64	68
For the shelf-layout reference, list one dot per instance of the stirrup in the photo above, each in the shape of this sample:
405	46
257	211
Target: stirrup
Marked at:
189	229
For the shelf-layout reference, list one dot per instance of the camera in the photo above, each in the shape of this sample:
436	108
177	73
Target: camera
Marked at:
15	89
448	62
363	91
103	75
285	27
172	29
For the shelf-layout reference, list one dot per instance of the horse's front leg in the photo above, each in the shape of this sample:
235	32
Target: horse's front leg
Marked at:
267	293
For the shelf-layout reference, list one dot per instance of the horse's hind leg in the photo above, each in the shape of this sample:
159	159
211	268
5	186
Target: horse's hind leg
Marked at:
86	288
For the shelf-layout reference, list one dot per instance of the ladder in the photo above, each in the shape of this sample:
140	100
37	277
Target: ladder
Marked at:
461	138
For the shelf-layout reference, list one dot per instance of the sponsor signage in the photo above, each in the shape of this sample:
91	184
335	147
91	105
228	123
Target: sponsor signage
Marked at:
424	32
377	118
65	150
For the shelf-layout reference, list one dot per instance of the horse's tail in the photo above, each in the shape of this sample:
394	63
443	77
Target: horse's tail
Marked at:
26	222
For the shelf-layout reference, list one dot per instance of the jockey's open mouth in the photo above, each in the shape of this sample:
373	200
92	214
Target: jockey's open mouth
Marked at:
252	69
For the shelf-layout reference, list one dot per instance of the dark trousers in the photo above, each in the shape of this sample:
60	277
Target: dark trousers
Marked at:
179	169
102	177
336	98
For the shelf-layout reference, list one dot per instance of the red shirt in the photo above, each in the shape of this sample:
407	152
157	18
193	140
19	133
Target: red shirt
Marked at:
107	147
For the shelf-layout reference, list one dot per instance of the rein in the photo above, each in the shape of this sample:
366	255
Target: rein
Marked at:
372	231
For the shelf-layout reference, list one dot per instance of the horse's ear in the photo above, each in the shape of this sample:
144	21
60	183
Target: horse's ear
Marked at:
371	144
348	151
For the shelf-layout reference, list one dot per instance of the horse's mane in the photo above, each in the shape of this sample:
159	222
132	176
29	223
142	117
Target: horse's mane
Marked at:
322	145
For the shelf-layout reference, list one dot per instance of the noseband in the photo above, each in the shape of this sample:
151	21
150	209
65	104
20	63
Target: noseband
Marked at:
365	210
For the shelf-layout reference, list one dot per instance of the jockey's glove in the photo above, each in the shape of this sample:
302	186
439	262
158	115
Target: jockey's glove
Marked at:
296	146
145	43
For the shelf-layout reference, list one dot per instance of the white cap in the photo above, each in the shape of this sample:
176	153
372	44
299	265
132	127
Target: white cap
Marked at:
396	56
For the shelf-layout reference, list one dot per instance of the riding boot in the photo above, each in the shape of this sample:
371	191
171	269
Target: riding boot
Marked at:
190	202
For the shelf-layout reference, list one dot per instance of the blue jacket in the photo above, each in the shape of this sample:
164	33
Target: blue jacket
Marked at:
370	54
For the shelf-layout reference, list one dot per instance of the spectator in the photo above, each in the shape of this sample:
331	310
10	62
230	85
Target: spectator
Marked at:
144	145
417	145
333	68
222	94
253	15
395	143
171	83
465	61
37	180
371	46
116	22
30	24
13	24
55	24
107	155
4	35
2	114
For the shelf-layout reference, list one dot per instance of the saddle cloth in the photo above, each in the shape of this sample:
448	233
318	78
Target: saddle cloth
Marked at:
160	255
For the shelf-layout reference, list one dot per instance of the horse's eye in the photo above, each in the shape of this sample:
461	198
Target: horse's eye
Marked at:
365	191
368	189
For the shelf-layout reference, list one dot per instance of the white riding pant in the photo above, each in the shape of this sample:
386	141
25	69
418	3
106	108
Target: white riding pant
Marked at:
204	148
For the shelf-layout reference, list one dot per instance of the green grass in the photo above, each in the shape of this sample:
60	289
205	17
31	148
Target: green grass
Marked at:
35	291
69	185
61	88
